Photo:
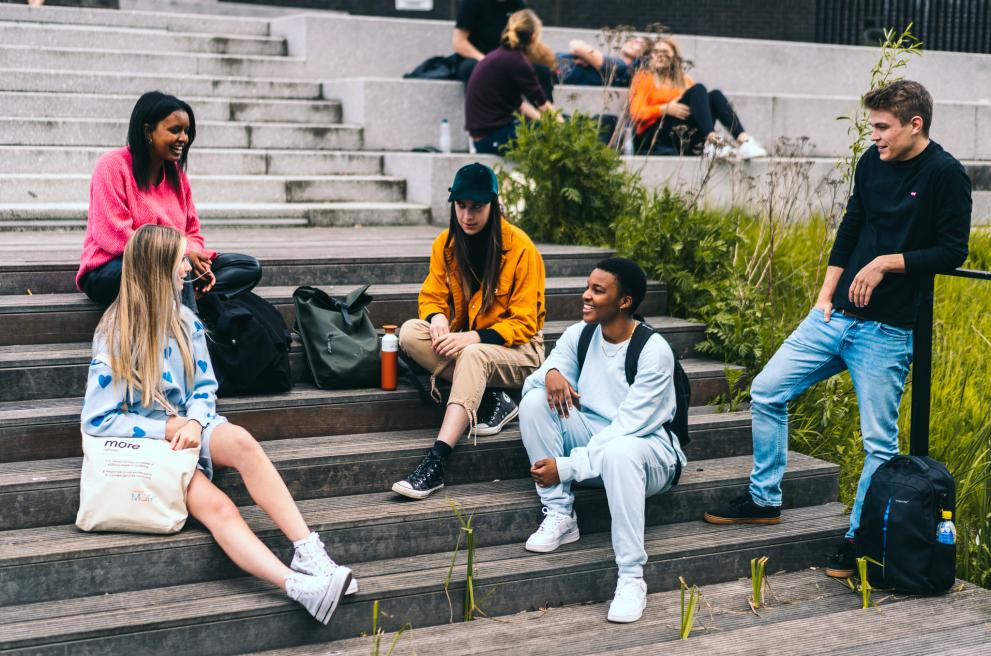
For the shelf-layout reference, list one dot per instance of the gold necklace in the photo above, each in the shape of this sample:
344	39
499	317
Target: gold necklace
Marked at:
619	347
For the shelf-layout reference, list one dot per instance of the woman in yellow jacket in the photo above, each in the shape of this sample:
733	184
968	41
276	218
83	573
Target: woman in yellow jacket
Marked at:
481	316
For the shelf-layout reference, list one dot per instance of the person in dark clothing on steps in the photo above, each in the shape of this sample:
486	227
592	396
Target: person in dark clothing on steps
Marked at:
907	219
478	31
503	84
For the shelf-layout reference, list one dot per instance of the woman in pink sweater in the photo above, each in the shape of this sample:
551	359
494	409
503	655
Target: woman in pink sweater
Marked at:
145	182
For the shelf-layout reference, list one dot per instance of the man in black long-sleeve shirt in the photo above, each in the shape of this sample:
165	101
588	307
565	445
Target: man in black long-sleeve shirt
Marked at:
908	219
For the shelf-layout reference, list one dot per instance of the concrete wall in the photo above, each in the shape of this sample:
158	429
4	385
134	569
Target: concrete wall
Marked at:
733	65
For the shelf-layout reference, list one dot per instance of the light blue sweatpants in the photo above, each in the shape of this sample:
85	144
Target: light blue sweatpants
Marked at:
631	469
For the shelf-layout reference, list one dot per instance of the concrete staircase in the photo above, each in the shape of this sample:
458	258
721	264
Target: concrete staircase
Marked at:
271	150
68	592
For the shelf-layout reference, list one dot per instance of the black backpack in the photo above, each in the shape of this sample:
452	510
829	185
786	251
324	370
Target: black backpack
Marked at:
902	508
249	344
682	386
435	68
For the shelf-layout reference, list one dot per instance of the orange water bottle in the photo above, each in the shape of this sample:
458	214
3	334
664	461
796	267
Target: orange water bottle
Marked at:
390	355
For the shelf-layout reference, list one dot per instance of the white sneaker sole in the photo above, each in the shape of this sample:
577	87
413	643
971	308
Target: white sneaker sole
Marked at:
489	431
627	619
567	538
333	595
410	493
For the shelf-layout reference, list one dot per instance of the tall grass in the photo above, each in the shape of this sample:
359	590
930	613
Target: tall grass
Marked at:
824	422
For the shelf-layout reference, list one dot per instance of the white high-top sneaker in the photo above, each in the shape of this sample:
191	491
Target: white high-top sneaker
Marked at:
555	530
320	595
630	600
311	558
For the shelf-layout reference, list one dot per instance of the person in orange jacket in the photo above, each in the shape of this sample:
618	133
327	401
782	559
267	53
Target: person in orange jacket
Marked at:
481	316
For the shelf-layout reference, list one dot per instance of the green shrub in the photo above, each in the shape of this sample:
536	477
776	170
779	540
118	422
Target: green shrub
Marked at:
566	186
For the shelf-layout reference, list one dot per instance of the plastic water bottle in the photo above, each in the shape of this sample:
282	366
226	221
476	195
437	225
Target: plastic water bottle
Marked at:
628	141
946	532
390	356
445	136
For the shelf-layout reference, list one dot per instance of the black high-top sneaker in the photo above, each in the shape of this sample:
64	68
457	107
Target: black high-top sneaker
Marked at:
427	478
495	411
843	563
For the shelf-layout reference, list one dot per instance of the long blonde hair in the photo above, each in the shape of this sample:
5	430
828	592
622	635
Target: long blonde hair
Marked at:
137	325
523	33
674	74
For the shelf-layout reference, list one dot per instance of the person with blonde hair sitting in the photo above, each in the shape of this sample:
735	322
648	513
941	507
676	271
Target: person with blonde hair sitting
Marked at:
505	83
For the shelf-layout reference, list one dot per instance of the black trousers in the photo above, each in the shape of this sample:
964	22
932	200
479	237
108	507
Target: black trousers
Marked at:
235	273
544	75
675	136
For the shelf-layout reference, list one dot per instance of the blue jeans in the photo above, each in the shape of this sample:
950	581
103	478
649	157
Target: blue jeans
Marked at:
493	143
878	356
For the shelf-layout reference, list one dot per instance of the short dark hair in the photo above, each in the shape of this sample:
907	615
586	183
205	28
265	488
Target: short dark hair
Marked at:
905	99
150	109
632	279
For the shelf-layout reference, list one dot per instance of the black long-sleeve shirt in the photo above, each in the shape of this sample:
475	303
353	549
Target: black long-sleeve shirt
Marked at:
920	208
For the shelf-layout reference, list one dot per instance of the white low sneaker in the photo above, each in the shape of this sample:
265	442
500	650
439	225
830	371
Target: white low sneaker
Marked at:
311	558
630	600
750	149
320	595
555	530
717	150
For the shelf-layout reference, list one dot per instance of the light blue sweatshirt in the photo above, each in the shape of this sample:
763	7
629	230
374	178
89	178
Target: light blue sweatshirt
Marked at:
638	410
107	412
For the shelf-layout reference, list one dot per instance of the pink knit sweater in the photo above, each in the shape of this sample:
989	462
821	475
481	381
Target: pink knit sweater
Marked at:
117	208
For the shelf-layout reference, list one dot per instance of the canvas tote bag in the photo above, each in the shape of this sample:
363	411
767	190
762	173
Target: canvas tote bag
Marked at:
135	485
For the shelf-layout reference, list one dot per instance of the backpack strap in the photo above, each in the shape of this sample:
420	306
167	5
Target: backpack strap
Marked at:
583	341
641	334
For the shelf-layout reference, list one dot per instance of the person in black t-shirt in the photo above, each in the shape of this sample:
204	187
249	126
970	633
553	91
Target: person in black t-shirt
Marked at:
478	31
908	219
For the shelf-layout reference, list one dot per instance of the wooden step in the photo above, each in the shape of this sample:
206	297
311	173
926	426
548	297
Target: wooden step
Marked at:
46	492
60	318
59	562
802	606
42	371
49	428
242	614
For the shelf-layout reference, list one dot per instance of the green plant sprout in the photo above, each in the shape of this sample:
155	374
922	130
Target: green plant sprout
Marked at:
378	633
758	582
467	533
689	611
865	585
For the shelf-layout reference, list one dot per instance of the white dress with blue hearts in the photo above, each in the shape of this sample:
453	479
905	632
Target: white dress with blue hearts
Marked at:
108	413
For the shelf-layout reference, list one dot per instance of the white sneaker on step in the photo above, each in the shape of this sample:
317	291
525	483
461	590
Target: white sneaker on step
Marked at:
750	149
311	558
319	595
718	150
630	600
555	530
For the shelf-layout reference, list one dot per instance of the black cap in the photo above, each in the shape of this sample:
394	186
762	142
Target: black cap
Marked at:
475	182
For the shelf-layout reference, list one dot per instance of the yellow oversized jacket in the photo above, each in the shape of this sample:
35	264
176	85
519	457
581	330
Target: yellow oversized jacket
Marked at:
518	311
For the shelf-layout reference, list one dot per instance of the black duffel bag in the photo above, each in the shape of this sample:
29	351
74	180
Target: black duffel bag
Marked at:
248	342
902	508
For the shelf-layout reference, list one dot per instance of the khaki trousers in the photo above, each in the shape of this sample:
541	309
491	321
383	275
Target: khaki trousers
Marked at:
475	367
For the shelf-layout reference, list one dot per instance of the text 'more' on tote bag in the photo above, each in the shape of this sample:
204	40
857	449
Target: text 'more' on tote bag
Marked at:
341	345
135	485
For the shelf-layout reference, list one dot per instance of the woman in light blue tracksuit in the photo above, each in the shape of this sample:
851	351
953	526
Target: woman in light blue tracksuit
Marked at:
591	426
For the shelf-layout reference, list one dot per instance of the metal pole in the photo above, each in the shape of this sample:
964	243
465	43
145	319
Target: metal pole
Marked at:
922	358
